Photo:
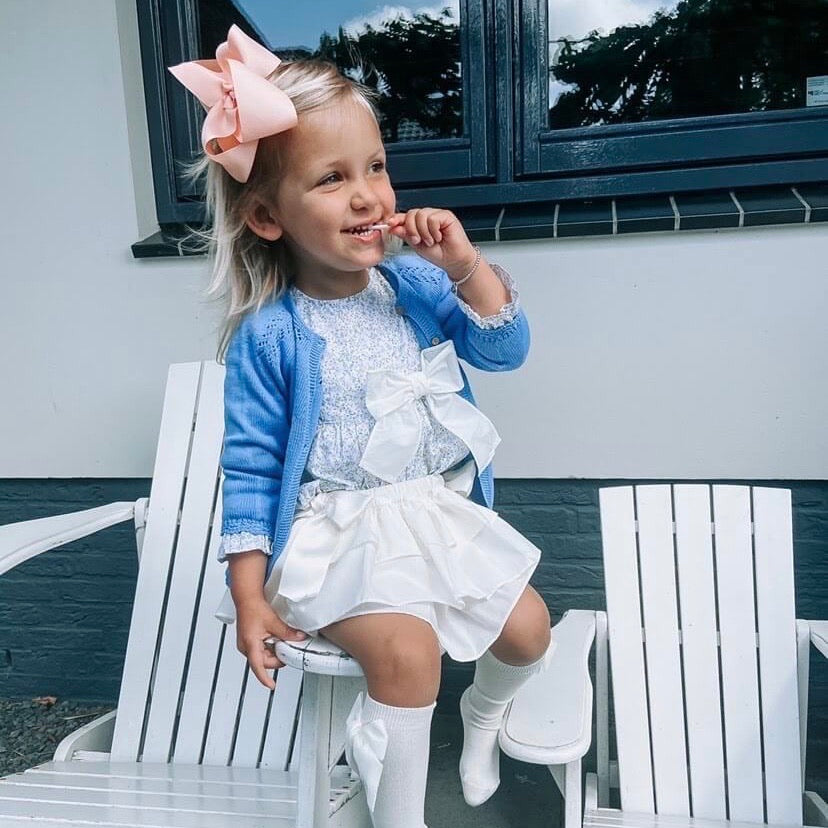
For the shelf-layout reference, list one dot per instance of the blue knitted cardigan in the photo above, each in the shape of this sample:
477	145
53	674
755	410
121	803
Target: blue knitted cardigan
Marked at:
272	393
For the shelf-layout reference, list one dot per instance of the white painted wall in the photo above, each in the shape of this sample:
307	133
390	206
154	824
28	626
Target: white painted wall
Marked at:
692	355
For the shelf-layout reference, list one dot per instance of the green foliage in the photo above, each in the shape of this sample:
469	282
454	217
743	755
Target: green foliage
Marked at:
414	66
706	57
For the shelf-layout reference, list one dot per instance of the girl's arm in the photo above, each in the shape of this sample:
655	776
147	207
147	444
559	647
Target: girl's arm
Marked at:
255	619
255	435
439	238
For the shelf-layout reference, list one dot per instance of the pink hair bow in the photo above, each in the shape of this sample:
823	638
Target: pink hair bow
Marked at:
242	106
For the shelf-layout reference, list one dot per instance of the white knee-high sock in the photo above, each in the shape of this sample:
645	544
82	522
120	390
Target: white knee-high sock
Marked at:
400	798
482	706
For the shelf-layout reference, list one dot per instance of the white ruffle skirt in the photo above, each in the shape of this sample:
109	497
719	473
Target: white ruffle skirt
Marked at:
418	547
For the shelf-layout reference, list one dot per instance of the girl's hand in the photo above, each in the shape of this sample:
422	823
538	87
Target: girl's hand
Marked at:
256	621
437	236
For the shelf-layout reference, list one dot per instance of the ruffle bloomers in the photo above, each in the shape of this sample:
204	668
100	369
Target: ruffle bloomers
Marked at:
419	547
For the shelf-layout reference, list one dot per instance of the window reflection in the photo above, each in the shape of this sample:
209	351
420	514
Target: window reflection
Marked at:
410	55
621	61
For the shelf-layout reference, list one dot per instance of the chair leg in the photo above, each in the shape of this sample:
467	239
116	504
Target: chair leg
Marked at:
573	811
313	795
568	779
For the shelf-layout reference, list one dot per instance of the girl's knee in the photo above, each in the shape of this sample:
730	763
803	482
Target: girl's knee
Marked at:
526	634
402	657
399	654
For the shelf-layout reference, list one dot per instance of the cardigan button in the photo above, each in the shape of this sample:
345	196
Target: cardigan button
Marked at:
400	310
435	340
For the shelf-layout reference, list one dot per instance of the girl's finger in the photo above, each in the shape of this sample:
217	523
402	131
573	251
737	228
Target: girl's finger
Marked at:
423	225
413	236
280	629
272	662
256	662
435	223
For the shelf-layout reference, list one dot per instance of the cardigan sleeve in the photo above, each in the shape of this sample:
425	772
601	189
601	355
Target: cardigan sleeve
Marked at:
501	348
506	314
255	435
243	542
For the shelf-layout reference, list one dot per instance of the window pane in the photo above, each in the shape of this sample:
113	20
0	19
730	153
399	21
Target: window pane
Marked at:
642	60
409	54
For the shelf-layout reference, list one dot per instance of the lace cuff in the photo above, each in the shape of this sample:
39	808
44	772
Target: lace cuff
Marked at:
242	542
506	314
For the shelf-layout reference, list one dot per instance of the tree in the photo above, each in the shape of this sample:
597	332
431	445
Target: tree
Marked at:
706	57
414	66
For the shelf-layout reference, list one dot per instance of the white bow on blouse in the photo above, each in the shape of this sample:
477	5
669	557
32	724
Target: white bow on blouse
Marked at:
390	398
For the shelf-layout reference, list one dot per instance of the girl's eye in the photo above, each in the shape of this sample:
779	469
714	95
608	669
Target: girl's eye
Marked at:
378	166
329	179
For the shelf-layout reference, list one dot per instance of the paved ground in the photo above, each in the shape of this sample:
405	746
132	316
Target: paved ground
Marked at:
527	796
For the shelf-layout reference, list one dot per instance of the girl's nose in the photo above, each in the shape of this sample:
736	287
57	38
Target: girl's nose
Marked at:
363	196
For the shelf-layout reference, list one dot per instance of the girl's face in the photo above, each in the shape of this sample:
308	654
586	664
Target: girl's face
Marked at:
334	179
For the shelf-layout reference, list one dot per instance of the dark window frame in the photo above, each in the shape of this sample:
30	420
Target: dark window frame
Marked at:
775	139
169	35
508	157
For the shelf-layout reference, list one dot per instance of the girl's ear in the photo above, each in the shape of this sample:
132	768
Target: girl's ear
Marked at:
263	223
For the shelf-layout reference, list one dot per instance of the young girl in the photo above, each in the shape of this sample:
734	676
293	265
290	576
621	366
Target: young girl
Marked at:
357	486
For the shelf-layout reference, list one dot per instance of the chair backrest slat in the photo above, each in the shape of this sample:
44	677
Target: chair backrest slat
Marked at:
737	634
773	541
160	530
706	720
279	738
661	635
626	648
227	695
189	560
187	694
201	671
702	699
253	713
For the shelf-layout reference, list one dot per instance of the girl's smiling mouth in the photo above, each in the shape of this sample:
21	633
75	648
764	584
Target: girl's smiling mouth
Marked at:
366	232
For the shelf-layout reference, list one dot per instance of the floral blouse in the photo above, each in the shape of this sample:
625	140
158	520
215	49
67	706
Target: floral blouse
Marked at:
364	332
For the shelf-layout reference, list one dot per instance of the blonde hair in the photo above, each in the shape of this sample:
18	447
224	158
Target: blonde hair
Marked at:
246	270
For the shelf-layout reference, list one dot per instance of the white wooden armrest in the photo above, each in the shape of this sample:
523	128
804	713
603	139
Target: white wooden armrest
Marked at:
93	736
550	720
27	538
819	636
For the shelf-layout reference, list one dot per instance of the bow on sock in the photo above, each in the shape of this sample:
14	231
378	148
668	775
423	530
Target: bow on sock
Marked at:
242	105
390	397
365	746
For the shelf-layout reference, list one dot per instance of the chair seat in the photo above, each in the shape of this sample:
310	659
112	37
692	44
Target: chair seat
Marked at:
611	818
153	795
318	655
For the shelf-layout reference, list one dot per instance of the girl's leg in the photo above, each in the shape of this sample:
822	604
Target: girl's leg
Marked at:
516	655
400	656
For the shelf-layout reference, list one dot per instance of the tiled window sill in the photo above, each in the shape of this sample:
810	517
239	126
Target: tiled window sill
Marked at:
800	204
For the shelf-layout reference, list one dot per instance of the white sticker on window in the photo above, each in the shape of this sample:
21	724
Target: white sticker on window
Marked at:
816	91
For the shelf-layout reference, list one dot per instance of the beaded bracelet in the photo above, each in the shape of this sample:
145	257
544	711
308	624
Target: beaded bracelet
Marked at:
455	285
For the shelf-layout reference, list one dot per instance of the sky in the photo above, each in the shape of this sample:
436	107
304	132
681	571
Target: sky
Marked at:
574	18
281	25
570	18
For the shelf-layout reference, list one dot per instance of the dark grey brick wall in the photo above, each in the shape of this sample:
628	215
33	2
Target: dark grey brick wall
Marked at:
64	616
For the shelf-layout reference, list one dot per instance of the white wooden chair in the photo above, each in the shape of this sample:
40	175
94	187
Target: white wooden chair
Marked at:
709	668
196	740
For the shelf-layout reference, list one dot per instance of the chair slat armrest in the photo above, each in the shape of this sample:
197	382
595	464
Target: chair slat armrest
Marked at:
550	720
93	736
27	538
819	636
